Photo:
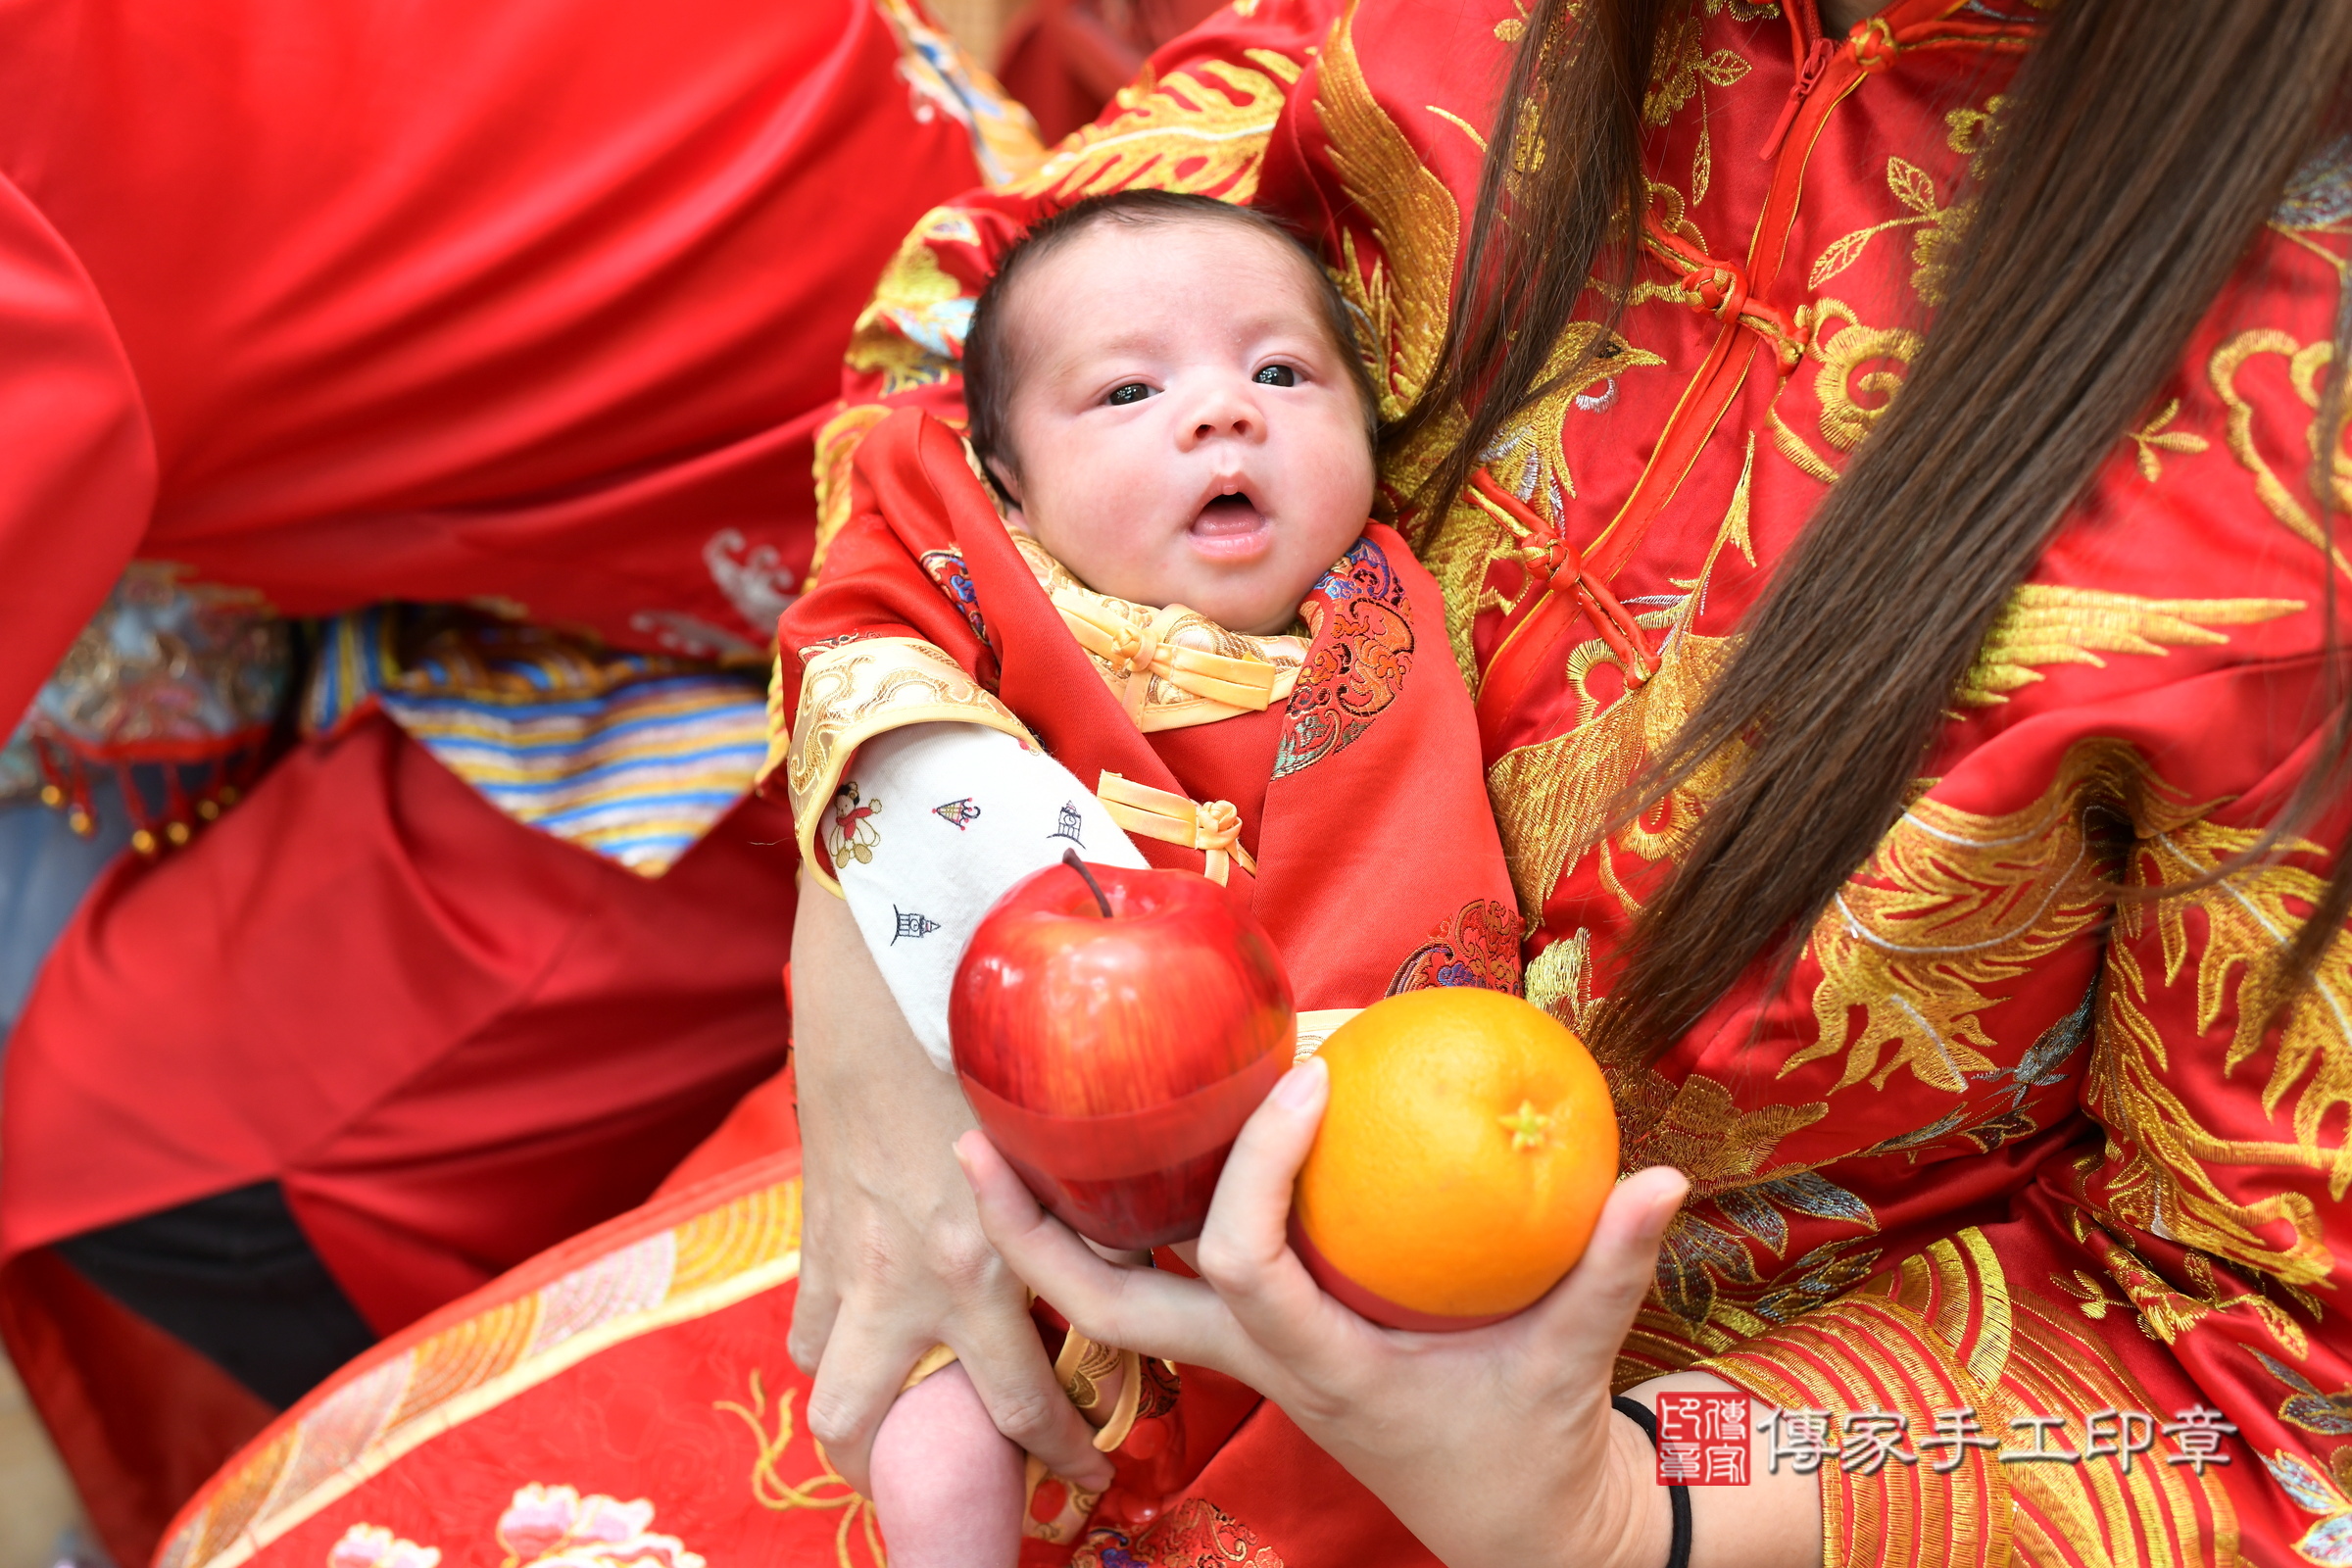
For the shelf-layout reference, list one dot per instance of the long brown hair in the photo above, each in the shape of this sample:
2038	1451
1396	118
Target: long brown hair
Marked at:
2142	147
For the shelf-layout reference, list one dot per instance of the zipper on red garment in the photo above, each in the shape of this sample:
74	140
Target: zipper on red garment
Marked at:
1817	61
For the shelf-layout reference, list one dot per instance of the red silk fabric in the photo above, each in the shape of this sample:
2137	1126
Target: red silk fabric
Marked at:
435	301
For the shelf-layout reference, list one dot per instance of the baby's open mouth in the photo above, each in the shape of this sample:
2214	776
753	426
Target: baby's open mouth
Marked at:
1230	527
1234	513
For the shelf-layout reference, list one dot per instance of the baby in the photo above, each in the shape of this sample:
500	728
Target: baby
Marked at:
1172	620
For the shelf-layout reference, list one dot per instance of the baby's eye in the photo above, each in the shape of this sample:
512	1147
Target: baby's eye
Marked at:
1277	375
1132	392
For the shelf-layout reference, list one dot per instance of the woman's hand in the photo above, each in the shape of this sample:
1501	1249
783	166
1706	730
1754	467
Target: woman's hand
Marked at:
1494	1447
892	1257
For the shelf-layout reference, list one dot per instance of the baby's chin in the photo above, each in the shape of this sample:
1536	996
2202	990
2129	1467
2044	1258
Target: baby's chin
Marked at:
1263	608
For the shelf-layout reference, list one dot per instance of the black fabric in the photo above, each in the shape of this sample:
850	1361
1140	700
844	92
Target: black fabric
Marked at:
1678	1496
233	1277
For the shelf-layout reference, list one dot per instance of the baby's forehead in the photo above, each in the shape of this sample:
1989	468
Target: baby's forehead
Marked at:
1111	285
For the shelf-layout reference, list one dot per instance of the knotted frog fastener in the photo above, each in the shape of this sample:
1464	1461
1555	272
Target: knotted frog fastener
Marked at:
1213	827
1137	654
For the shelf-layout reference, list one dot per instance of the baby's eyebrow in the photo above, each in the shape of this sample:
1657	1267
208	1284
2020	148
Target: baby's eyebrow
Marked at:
1145	343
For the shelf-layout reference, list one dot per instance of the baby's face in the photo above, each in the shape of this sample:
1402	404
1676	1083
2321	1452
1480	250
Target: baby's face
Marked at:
1185	429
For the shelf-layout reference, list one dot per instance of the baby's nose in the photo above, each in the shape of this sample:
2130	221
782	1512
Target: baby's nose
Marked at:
1225	413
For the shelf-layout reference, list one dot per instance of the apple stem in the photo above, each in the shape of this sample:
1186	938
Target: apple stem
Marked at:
1070	859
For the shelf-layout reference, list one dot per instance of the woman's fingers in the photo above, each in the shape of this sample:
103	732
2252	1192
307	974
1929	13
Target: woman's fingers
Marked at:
1245	1250
1134	1308
815	1307
863	1364
1590	1311
1007	1365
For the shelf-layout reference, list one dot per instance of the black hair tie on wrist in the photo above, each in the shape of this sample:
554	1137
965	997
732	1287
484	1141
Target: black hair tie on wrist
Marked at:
1678	1496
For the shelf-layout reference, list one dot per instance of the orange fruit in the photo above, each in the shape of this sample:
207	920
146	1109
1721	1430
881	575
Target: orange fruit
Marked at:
1463	1163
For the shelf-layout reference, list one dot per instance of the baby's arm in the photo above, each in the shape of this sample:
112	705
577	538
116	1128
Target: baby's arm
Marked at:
934	823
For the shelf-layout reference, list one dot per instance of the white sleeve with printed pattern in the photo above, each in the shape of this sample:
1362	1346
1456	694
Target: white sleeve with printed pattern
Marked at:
932	825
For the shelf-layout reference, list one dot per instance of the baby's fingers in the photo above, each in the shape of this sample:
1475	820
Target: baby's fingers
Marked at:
1134	1309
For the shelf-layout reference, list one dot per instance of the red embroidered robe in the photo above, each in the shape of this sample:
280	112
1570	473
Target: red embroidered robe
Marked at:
1377	868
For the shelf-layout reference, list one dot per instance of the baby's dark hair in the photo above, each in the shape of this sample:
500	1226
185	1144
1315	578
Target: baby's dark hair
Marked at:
987	374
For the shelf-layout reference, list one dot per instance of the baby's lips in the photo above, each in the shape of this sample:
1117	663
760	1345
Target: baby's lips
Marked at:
1232	533
1228	515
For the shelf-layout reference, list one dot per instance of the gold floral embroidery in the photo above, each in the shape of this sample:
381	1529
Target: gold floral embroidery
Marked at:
1697	1127
1683	61
1844	352
2305	362
849	695
2166	1313
1792	446
2048	624
1202	129
1914	189
2091	1296
2152	438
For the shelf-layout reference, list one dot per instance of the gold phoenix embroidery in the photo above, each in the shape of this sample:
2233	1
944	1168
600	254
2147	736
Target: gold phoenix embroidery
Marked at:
2163	1182
1554	800
1949	905
1210	120
1406	295
2048	624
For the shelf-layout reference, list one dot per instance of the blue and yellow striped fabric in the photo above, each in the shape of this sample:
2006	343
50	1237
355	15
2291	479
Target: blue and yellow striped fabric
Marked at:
634	756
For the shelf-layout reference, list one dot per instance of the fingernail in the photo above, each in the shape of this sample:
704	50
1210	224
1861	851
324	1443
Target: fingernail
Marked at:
1301	1085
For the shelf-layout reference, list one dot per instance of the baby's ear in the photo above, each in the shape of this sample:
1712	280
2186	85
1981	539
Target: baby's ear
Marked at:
1008	486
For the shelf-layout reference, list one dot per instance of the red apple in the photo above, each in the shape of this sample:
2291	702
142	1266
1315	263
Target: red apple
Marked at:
1112	1043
